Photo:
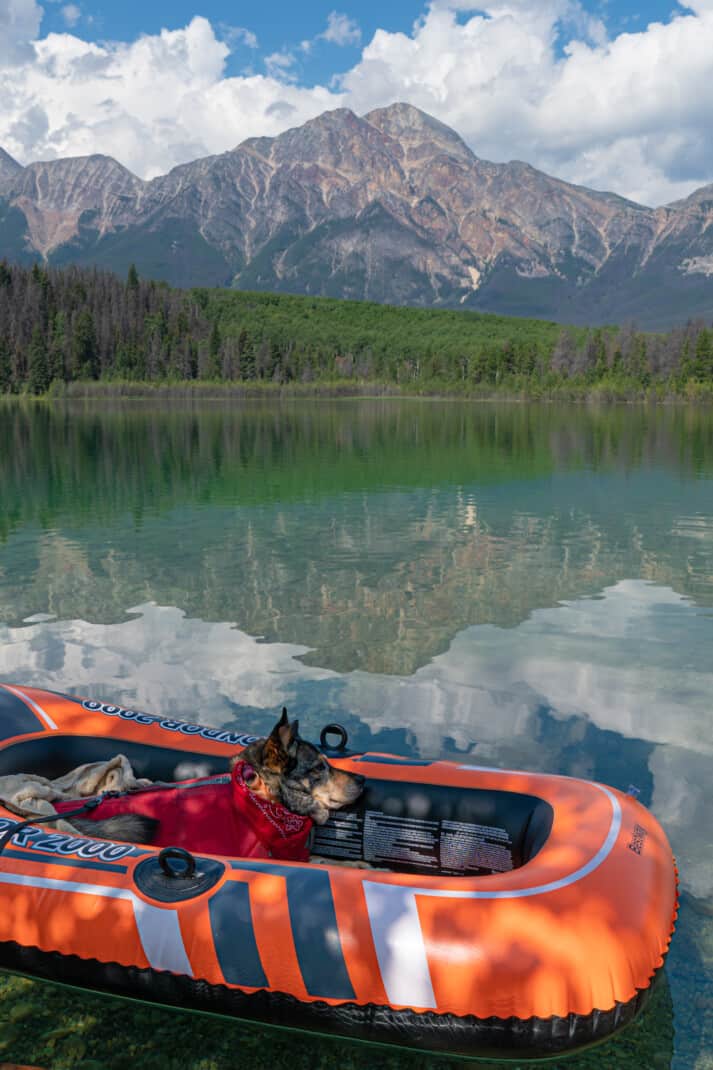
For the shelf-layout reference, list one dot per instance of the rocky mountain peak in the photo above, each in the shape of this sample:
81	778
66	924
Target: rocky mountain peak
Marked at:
95	162
8	167
55	194
335	138
417	131
391	206
93	175
702	197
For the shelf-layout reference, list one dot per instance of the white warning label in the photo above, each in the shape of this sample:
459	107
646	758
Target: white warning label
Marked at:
400	839
467	848
341	837
455	848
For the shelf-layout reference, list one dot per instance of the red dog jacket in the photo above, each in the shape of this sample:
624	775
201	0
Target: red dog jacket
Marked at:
214	815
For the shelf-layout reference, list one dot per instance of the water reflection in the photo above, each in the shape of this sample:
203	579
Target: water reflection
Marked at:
529	586
381	581
373	532
159	660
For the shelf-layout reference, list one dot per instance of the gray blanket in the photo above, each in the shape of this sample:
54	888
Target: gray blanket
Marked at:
29	795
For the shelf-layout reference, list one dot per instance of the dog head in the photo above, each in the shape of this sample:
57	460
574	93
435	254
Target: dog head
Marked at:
293	772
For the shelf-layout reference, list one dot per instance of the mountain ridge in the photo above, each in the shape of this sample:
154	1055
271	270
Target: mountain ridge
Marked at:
8	166
390	206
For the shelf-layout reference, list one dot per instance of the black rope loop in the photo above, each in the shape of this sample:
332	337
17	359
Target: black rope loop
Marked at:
178	854
334	730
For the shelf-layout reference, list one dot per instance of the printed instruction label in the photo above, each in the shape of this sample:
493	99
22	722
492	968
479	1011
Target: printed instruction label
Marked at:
400	839
469	848
455	848
341	837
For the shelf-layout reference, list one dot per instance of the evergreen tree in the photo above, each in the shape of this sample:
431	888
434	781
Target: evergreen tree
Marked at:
57	348
192	360
262	359
78	322
703	365
214	369
243	342
599	354
5	365
85	353
247	359
123	362
38	364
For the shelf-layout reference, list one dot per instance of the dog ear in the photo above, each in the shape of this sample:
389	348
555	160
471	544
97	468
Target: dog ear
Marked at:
274	754
286	732
291	744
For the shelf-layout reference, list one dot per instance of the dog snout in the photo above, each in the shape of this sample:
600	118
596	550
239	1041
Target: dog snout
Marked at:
354	785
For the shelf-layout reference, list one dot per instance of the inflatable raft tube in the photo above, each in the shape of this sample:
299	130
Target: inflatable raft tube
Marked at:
527	915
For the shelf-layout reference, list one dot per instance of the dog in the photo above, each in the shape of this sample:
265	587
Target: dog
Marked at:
293	772
282	781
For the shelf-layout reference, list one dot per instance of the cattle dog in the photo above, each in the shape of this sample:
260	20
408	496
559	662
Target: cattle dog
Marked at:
281	768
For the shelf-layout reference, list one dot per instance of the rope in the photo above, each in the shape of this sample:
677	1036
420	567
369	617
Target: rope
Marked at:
45	819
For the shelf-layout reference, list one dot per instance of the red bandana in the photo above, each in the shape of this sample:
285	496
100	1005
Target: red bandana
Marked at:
258	810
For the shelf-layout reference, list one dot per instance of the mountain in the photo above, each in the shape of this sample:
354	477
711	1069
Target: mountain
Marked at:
392	206
8	167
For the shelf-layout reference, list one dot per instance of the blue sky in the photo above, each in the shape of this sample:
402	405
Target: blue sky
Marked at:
614	95
280	25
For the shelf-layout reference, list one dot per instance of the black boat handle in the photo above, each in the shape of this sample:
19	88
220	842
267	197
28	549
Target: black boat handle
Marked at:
164	860
334	730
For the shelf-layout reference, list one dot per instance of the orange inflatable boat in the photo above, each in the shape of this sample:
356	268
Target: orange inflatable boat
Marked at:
507	913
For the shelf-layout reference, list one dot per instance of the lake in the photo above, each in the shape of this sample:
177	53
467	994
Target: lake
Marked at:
527	586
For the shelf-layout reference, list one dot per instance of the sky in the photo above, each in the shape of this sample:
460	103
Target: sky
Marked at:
611	94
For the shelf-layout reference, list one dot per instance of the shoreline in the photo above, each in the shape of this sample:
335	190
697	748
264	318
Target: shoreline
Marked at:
694	392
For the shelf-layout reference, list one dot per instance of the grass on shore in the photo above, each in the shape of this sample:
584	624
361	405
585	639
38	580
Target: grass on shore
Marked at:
49	1026
549	388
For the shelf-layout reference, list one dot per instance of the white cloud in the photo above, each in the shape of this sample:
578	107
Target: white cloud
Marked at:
341	30
280	64
156	102
71	14
238	35
536	80
19	25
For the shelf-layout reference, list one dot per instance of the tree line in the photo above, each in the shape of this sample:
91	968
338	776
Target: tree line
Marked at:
59	325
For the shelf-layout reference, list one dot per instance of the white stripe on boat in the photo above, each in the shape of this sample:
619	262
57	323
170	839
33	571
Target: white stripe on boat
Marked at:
159	930
32	704
396	929
398	940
